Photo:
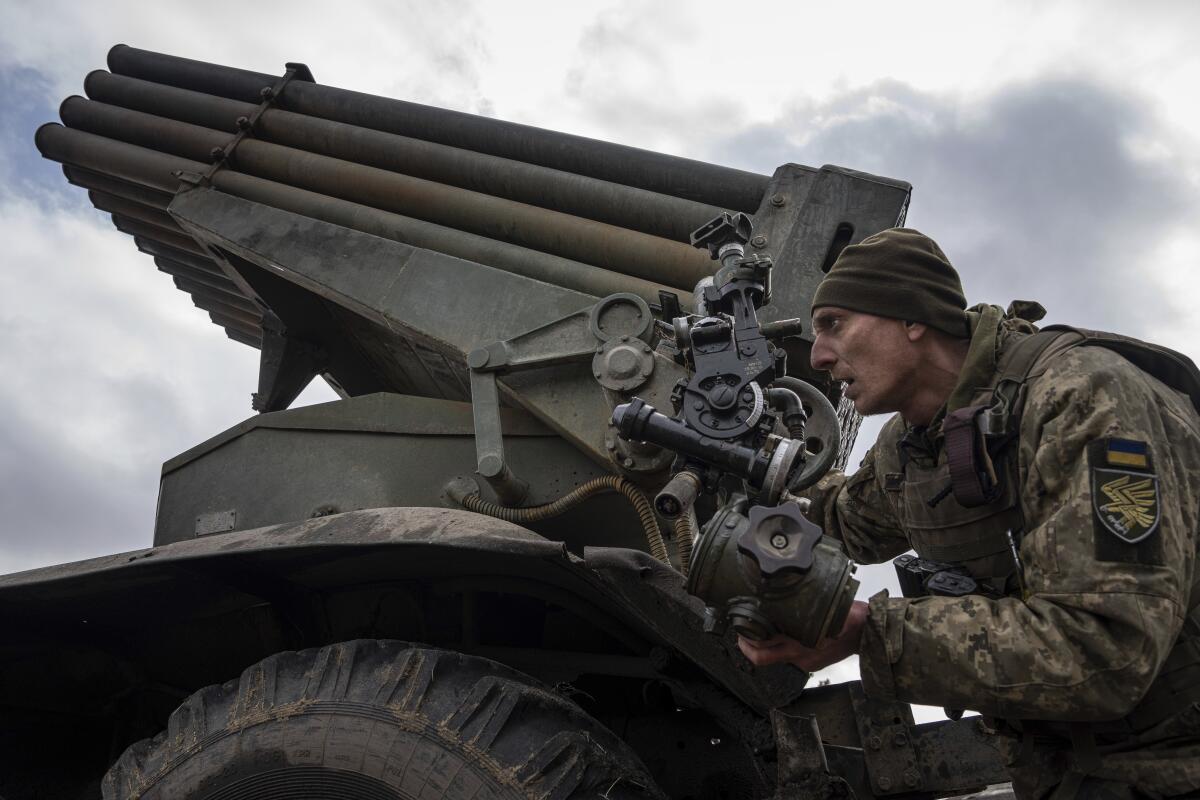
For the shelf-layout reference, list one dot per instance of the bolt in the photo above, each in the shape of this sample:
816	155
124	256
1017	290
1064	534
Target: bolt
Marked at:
912	778
628	463
714	741
759	241
779	541
217	153
267	93
884	782
875	743
243	122
900	740
731	523
698	405
778	200
479	357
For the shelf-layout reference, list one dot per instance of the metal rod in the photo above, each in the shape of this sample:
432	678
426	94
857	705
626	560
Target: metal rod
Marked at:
585	278
651	258
209	111
625	206
131	210
139	165
244	338
141	129
694	180
154	233
86	179
219	307
230	299
226	321
216	282
200	263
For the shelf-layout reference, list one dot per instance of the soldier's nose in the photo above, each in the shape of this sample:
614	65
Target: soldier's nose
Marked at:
822	357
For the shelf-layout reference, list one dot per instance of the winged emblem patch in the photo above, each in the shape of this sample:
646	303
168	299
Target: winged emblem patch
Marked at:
1126	503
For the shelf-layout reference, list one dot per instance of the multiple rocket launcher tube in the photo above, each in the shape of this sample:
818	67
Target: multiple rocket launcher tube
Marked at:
587	215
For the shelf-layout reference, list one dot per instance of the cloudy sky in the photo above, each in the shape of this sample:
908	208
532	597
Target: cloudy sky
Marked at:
1053	149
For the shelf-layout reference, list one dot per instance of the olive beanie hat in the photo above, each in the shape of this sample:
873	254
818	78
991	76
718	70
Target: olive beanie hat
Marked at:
899	273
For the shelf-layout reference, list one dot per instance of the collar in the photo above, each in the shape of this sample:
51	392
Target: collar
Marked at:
979	367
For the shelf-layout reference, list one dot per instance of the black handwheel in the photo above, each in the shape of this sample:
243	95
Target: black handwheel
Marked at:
378	720
822	434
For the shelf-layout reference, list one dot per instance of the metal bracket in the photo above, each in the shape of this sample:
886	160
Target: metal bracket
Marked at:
587	334
286	365
802	770
221	155
886	732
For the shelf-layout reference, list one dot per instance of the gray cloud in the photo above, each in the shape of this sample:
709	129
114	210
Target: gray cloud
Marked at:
1035	191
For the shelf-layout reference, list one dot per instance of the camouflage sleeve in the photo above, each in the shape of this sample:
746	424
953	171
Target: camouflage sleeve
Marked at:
1099	614
854	510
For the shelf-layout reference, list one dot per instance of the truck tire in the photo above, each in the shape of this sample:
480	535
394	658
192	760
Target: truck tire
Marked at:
378	720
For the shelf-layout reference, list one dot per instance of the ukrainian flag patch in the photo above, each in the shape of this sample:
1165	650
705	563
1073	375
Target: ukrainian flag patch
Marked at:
1127	453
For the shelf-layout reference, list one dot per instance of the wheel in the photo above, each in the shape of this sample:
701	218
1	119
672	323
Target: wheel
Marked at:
378	720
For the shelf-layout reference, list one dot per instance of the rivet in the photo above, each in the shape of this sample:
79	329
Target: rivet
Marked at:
759	241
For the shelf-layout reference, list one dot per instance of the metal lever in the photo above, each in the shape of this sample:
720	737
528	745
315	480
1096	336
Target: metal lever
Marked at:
489	441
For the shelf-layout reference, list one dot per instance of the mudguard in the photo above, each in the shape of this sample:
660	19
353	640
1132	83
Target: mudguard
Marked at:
98	652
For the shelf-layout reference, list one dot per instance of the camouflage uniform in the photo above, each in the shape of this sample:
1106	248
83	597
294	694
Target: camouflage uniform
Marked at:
1097	616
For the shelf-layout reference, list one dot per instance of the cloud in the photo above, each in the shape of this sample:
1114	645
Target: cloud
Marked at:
1037	190
108	371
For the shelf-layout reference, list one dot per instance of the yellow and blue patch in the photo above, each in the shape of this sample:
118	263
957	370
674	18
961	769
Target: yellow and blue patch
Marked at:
1128	453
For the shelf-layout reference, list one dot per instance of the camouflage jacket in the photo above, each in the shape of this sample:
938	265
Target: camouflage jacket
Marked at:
1097	616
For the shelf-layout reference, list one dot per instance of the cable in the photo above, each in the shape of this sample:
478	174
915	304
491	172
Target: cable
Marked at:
683	541
614	483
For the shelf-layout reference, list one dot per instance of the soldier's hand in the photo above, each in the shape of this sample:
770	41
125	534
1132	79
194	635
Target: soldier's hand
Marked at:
783	650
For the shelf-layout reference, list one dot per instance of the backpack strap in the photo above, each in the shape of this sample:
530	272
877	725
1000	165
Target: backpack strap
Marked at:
1169	366
976	433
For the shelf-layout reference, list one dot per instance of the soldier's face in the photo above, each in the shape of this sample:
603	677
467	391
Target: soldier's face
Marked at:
873	355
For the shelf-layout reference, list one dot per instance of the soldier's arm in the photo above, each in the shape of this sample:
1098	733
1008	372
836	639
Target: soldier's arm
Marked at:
1100	614
854	510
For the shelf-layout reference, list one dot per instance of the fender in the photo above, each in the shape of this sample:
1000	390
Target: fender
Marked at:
97	653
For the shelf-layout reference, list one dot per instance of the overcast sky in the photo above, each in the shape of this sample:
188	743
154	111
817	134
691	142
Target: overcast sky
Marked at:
1053	149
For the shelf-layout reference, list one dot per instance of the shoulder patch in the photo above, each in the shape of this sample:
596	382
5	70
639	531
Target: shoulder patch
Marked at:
1127	453
1126	501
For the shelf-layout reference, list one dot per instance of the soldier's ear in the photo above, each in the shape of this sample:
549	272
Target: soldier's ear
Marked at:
915	330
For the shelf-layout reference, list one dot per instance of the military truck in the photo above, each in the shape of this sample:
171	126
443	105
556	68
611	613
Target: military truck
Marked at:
452	581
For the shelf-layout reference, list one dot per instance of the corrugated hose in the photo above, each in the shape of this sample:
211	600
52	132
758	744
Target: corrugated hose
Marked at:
614	483
683	541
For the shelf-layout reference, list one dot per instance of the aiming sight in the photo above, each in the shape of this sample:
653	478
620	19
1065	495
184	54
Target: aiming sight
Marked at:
761	566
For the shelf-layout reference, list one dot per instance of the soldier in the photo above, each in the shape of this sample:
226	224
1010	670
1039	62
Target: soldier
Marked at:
1058	484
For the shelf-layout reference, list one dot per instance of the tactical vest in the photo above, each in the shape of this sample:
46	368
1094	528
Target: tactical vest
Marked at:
960	502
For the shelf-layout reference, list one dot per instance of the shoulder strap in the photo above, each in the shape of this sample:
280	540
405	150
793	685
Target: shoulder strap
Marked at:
1001	419
1169	366
975	433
